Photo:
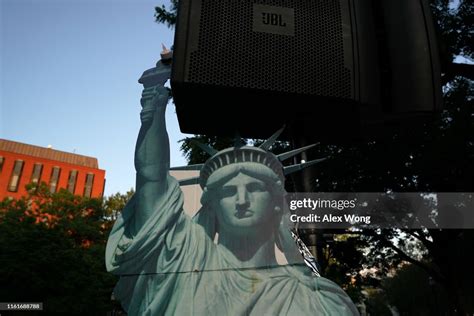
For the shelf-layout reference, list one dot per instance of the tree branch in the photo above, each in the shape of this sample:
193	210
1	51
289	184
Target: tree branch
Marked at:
428	244
458	69
435	274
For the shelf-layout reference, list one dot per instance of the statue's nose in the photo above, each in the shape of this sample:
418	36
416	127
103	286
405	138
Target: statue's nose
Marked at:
242	198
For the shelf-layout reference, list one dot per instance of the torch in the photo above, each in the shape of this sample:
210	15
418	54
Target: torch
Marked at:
159	74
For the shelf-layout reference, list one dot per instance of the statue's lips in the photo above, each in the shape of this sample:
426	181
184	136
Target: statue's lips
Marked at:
243	214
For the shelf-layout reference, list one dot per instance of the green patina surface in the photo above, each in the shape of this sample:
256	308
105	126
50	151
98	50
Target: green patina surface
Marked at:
170	264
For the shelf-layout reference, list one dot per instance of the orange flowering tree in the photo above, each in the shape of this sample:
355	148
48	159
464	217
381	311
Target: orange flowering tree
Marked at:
52	251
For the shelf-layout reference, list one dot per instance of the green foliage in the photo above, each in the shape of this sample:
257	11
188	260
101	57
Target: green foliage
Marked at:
455	37
53	249
277	148
413	292
195	155
454	27
376	303
115	203
430	158
162	15
344	259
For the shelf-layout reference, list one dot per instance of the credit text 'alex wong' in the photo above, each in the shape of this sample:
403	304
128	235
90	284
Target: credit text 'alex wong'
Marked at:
330	218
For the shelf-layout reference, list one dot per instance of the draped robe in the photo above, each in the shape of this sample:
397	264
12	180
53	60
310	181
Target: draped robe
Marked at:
170	266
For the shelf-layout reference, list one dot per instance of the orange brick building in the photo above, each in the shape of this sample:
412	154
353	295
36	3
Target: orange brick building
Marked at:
21	164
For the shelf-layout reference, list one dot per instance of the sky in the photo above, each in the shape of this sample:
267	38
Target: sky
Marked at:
69	71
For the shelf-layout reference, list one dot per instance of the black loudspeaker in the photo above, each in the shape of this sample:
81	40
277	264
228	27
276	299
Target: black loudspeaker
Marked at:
322	67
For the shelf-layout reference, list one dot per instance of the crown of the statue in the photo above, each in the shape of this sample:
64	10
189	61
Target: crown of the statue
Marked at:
240	154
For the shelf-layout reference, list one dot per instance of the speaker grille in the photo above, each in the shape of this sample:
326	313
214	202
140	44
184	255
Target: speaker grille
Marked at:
230	53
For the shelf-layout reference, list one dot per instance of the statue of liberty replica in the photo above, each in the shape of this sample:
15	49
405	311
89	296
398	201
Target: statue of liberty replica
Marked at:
222	261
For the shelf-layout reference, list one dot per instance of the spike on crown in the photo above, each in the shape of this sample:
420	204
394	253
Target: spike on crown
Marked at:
240	154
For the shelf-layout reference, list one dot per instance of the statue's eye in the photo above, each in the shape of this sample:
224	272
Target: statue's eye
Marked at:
256	187
228	191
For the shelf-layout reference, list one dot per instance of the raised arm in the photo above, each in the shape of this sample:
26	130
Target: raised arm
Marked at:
152	158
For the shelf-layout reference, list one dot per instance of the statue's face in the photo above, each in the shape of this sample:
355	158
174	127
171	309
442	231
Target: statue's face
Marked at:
244	203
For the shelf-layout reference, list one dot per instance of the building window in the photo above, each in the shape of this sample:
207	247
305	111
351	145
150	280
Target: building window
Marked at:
16	175
71	182
2	160
88	186
37	171
53	181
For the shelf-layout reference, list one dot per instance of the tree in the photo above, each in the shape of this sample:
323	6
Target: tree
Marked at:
53	248
115	203
413	292
162	15
455	37
194	154
437	159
